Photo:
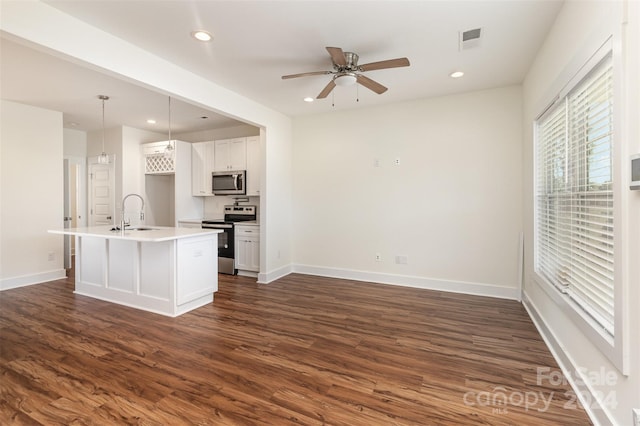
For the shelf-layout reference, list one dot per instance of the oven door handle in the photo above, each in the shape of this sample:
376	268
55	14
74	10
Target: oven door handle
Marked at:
217	226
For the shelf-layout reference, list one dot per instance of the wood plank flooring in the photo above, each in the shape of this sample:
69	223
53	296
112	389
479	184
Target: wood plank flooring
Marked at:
302	350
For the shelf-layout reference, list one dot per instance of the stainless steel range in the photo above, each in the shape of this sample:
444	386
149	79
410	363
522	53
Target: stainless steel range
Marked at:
226	248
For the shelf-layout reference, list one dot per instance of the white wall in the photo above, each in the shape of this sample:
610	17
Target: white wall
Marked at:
75	143
452	206
31	200
579	30
132	160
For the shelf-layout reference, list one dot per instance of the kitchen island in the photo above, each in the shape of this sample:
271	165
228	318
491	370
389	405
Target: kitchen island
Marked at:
164	270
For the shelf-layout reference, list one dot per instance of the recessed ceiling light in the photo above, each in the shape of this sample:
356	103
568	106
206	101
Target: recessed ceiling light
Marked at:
308	99
456	74
73	124
201	35
151	121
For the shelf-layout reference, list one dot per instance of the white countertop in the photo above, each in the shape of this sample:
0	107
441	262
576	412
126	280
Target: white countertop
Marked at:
156	233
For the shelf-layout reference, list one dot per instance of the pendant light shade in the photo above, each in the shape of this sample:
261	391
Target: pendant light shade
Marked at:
103	158
168	150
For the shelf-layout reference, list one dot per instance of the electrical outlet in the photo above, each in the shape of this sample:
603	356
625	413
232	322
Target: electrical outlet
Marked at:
636	417
376	162
401	259
397	161
51	257
378	257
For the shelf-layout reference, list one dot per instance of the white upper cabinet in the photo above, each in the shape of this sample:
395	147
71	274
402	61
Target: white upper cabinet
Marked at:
202	164
254	171
230	154
226	155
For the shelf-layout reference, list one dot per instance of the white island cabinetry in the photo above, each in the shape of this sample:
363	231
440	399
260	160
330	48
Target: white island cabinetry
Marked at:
164	270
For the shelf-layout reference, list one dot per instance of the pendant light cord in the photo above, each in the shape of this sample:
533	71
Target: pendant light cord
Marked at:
103	158
169	148
102	123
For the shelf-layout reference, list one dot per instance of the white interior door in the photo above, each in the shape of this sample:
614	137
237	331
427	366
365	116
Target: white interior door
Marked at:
67	211
101	192
75	202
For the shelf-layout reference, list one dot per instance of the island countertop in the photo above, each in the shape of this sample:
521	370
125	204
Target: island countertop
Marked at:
149	234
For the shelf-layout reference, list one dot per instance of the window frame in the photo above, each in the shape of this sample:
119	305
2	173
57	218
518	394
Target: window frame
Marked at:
613	347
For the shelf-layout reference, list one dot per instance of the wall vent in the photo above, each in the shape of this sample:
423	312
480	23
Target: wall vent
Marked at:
470	38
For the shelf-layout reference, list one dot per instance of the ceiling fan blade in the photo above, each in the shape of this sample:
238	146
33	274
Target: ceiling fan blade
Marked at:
305	74
370	84
390	63
327	89
337	56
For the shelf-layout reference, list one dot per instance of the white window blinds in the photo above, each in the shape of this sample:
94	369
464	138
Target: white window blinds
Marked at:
574	195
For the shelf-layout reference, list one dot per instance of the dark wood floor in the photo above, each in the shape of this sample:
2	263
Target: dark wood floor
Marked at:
302	350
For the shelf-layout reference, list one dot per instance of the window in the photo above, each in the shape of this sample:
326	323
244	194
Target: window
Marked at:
574	247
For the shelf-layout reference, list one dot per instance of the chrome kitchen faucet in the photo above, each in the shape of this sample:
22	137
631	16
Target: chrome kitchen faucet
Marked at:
122	222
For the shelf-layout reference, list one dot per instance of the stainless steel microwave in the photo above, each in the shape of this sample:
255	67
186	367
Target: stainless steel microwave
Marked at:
233	182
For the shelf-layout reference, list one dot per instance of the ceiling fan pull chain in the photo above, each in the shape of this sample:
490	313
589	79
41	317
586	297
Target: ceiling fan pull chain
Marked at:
333	99
357	93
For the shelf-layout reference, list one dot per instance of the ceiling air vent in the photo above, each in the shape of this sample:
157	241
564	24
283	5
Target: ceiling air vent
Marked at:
470	38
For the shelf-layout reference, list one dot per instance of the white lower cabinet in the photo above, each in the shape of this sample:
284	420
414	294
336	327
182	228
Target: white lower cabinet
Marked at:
247	249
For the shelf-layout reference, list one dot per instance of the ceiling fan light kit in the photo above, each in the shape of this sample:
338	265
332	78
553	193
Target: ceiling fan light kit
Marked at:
348	79
347	72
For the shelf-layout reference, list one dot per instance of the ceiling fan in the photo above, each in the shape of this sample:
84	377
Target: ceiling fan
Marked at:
346	71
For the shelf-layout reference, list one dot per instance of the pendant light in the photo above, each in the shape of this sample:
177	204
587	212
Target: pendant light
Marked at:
168	150
104	157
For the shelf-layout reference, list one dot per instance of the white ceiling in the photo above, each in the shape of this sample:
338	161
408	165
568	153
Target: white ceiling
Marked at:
256	42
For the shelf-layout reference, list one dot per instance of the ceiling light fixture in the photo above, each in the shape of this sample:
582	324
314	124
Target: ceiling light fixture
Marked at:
201	35
151	121
347	79
456	74
308	99
103	158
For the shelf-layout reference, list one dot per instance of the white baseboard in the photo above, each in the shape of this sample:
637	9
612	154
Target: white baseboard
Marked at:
266	278
477	289
25	280
249	274
596	412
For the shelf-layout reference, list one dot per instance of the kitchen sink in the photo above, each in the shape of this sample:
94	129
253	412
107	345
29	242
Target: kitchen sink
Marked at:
136	228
